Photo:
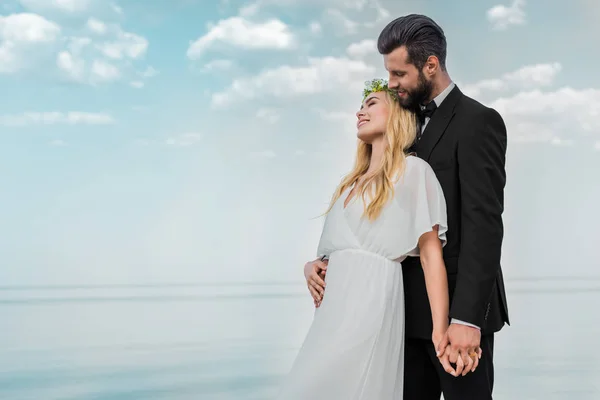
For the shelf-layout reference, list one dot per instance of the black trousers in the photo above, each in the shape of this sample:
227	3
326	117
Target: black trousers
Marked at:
425	378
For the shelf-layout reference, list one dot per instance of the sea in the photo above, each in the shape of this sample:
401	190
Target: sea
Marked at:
237	340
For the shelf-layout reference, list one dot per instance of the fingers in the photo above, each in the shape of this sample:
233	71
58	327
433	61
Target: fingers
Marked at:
321	264
314	293
441	347
468	363
314	272
477	358
475	364
316	279
446	363
453	356
316	286
460	365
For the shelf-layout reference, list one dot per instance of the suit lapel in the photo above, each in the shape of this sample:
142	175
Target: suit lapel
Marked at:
437	124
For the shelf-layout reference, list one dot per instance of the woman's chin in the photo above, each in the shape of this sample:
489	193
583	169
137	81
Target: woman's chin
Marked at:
367	137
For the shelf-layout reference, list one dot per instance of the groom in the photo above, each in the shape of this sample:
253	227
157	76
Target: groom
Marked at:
465	144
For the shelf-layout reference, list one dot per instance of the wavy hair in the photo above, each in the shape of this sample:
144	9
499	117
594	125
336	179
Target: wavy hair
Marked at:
399	134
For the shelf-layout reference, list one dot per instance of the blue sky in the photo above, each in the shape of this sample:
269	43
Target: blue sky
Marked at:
170	141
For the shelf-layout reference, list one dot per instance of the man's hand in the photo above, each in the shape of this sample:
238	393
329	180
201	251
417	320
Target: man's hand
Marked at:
314	272
460	346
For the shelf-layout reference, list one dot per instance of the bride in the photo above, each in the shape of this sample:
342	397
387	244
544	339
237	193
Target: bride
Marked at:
388	207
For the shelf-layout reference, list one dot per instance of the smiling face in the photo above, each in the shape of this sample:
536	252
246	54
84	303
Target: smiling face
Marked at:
412	85
372	117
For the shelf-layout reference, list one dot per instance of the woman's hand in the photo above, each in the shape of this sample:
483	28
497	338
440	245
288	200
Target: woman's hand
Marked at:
314	273
438	334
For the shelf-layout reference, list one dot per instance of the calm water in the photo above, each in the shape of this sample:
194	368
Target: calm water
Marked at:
237	341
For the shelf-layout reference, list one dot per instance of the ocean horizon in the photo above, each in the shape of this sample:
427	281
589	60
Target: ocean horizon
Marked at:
237	340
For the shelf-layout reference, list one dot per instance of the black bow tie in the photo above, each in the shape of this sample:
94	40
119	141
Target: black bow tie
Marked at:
427	111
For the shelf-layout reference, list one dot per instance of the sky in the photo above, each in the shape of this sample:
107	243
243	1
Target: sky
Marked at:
171	141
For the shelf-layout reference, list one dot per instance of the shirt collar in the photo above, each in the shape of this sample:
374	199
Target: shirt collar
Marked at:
440	97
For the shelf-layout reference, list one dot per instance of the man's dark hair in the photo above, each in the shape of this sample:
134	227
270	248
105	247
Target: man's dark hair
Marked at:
421	36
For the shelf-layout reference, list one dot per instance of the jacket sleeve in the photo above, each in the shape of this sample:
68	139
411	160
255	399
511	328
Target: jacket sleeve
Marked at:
482	177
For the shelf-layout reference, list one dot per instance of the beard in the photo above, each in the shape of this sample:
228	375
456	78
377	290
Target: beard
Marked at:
420	95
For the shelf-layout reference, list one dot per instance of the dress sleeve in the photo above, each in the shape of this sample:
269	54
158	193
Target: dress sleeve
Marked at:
421	198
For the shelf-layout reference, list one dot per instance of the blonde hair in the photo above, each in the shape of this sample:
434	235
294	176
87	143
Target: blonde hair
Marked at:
400	133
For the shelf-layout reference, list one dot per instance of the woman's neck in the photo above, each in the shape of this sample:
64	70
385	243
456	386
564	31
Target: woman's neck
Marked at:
377	150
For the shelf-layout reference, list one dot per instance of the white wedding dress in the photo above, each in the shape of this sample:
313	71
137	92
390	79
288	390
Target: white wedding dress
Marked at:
354	349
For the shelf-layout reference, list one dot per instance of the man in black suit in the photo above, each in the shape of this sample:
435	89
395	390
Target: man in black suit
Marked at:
465	144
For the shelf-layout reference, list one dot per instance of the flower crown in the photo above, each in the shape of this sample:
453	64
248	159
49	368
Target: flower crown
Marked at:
378	85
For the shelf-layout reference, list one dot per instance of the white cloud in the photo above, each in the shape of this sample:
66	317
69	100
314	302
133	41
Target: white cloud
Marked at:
242	33
184	140
21	37
320	75
96	26
74	67
29	42
346	25
55	117
362	49
116	9
501	17
527	77
534	111
78	43
217	65
315	27
382	14
597	145
8	60
103	71
88	61
546	116
534	75
126	45
27	27
250	9
150	72
475	89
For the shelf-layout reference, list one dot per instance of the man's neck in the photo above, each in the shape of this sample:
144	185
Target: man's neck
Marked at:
441	85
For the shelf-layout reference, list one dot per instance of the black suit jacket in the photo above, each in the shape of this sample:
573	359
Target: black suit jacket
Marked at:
465	144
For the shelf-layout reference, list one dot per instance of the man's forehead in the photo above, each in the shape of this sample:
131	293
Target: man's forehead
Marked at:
396	57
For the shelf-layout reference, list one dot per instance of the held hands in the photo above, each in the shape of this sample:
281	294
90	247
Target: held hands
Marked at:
314	272
459	346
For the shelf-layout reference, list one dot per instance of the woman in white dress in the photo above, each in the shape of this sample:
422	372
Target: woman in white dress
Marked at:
388	207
